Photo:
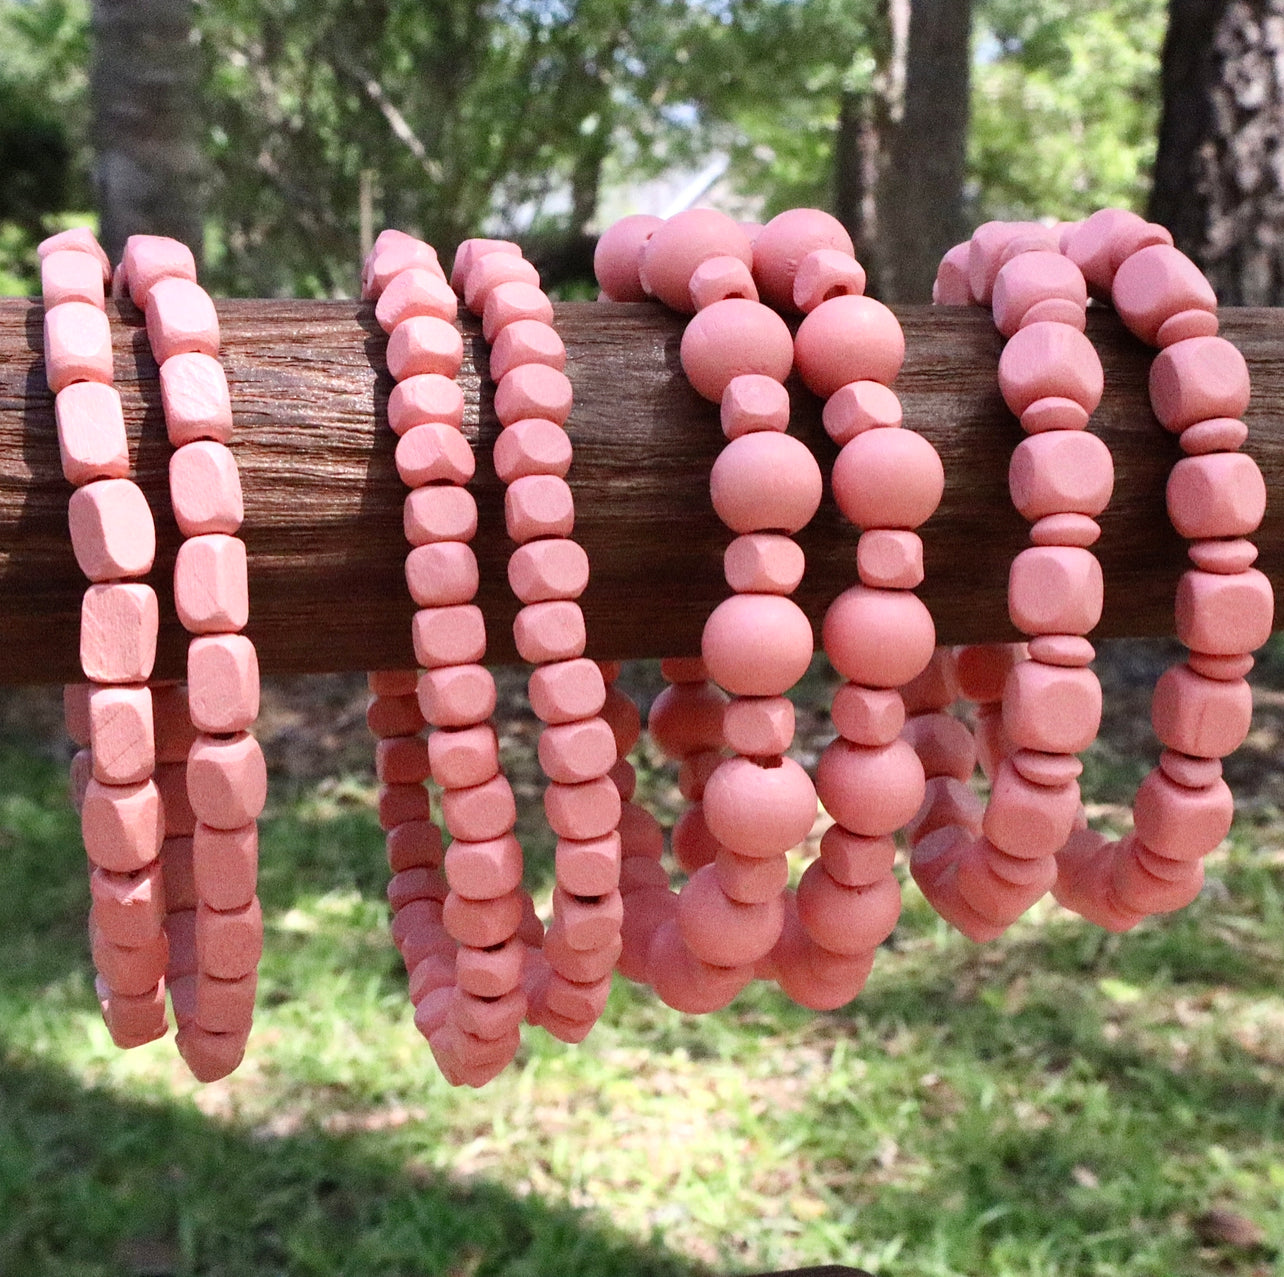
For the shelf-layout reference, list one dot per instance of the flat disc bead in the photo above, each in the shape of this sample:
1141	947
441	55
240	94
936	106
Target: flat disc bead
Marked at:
888	479
1156	283
423	398
722	931
1061	472
1193	380
858	406
879	638
1050	359
1223	557
870	790
757	644
1224	615
734	338
526	341
618	254
1062	649
765	482
1065	529
91	432
112	534
675	248
533	390
848	339
432	453
753	402
1221	494
1220	434
783	243
1054	412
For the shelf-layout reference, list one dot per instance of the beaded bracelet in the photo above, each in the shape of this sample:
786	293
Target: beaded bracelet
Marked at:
568	981
114	540
215	948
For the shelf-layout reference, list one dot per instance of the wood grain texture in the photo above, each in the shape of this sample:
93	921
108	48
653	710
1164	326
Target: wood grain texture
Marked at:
323	499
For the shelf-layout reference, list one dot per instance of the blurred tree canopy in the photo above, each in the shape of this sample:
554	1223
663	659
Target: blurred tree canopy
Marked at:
531	117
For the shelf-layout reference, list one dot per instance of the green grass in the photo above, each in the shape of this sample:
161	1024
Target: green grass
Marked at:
1060	1103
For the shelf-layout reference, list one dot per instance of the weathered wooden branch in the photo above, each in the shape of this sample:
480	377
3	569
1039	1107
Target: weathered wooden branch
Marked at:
323	499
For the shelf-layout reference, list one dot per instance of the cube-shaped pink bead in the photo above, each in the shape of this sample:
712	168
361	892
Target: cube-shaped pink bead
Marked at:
195	399
226	780
211	584
119	623
205	489
181	320
112	533
120	726
77	345
71	276
222	683
150	258
91	432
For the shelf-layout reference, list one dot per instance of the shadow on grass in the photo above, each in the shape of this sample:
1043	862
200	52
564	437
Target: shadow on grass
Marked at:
94	1184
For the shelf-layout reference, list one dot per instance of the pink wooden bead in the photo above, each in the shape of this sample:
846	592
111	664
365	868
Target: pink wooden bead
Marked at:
481	812
415	292
640	833
1046	769
68	275
853	860
544	570
77	345
75	709
1223	557
119	623
757	644
870	790
539	506
1062	649
171	781
687	718
513	302
225	1006
492	270
933	687
758	726
724	932
1135	886
526	341
644	910
573	752
847	920
763	563
79	239
229	943
986	252
195	398
120	727
859	406
751	880
890	559
395	254
1231	666
1102	242
390	716
205	489
1155	284
1048	359
1193	380
490	1019
226	780
134	1021
1224	615
943	744
148	259
678	245
952	287
225	865
1055	590
533	390
1028	820
1065	529
582	976
1220	494
462	757
181	320
210	1056
1053	412
91	432
757	810
694	773
425	397
826	273
1186	324
564	691
401	803
552	631
1181	823
442	574
720	278
947	804
734	338
417	928
129	971
180	927
424	344
434	452
589	923
1061	472
1198	715
637	873
1056	310
765	482
1051	708
867	715
112	533
129	909
424	882
1033	278
618	254
490	973
888	479
781	247
484	869
223	683
1192	772
471	251
122	825
439	513
848	339
589	867
414	844
981	670
445	636
754	402
532	447
211	584
587	810
880	638
990	895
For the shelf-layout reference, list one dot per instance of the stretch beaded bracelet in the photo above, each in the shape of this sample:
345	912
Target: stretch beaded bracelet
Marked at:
114	540
567	982
215	922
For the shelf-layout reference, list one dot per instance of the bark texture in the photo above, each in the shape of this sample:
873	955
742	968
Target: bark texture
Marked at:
1219	173
902	147
145	92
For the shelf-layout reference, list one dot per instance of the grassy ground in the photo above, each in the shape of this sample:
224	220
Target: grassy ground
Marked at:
1060	1103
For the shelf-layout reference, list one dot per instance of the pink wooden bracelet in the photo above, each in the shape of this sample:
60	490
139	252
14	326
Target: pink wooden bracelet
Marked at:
114	541
215	921
568	982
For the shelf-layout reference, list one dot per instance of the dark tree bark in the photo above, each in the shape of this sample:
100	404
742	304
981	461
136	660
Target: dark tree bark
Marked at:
145	92
902	147
1219	173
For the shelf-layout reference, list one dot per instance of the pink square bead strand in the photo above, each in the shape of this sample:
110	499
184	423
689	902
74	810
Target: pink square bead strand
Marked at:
215	921
1060	478
878	635
567	982
460	918
1216	497
114	541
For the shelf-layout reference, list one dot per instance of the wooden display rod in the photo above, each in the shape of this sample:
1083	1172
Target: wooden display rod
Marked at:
323	500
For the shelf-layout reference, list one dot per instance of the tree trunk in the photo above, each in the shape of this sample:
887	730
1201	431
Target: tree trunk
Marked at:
901	147
145	93
1219	179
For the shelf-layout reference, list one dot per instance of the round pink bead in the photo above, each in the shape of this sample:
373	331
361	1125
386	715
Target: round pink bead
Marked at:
757	644
734	338
471	251
687	718
678	245
765	482
1193	380
757	810
784	242
724	932
1050	359
618	255
888	479
481	924
847	920
870	790
848	339
880	638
